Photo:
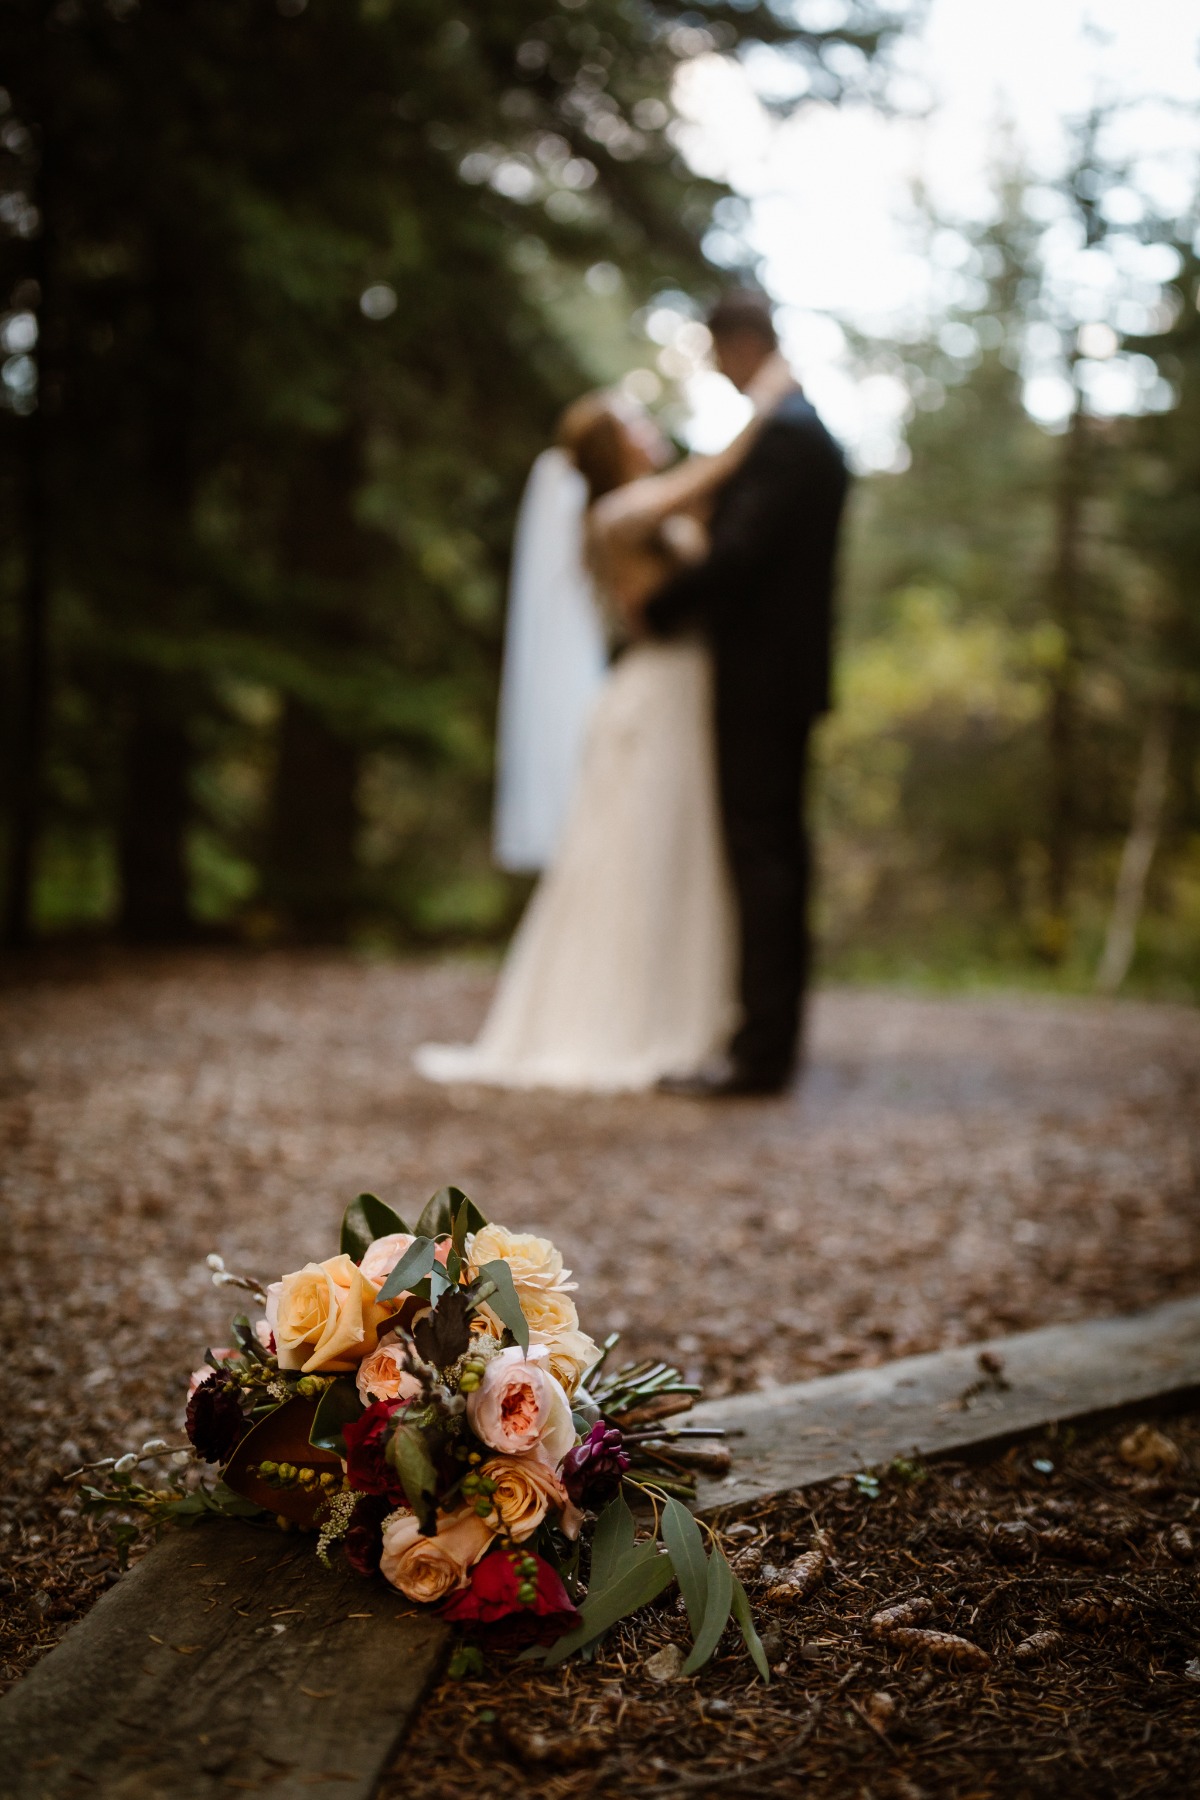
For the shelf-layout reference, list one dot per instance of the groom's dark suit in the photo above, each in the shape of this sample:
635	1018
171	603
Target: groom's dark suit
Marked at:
764	593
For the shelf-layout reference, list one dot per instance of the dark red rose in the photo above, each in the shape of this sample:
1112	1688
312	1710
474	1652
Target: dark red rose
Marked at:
493	1599
214	1419
367	1467
591	1473
363	1542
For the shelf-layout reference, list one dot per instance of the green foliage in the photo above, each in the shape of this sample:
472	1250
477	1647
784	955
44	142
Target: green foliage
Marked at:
364	1220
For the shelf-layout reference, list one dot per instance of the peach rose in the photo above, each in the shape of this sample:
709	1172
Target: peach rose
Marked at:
526	1490
533	1262
428	1568
324	1317
570	1355
384	1375
519	1407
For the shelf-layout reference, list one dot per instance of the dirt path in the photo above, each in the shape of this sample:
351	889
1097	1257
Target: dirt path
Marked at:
950	1169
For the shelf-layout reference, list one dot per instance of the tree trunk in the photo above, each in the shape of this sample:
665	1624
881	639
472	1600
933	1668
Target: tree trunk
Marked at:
152	832
1065	596
1149	801
309	873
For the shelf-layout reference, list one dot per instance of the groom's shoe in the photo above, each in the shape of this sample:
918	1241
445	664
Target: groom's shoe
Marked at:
724	1081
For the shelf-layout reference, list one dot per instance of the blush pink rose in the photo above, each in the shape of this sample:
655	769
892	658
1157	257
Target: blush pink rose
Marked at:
383	1375
384	1253
518	1407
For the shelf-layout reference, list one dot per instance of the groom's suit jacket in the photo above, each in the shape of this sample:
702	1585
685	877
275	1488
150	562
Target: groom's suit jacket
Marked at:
765	590
764	593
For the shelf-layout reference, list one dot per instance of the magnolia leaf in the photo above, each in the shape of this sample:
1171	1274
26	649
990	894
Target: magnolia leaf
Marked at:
338	1406
612	1541
413	1266
442	1335
718	1601
640	1578
685	1543
437	1219
364	1220
504	1302
467	1220
745	1621
409	1455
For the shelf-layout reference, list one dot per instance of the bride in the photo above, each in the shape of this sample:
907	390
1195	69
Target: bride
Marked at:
622	969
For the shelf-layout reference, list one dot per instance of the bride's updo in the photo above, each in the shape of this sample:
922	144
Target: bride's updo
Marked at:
594	435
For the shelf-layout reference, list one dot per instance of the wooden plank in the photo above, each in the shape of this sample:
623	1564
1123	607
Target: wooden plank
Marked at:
791	1437
228	1661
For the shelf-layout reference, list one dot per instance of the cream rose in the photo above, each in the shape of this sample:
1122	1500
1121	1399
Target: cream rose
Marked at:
428	1568
323	1316
518	1406
384	1375
570	1355
526	1490
550	1313
533	1262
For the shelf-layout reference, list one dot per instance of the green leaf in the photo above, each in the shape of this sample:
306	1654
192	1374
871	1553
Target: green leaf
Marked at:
364	1220
718	1601
437	1219
612	1541
685	1543
504	1302
413	1266
409	1455
745	1620
247	1339
467	1219
339	1405
640	1578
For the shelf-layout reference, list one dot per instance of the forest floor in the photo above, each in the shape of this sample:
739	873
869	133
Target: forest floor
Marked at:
949	1169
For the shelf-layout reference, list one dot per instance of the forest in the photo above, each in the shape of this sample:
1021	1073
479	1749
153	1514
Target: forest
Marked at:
290	296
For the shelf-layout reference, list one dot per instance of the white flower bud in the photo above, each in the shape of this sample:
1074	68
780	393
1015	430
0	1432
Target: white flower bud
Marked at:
124	1463
152	1445
214	1261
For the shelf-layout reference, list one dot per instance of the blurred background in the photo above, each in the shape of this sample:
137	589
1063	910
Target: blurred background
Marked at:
291	292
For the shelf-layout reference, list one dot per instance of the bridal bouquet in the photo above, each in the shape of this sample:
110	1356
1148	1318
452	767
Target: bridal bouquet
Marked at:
426	1400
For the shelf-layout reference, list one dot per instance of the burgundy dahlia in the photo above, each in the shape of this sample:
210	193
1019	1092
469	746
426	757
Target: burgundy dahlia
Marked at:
591	1473
363	1542
367	1466
214	1419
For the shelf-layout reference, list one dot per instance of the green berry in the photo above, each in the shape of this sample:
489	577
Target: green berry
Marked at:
306	1476
267	1469
527	1593
528	1565
468	1383
483	1506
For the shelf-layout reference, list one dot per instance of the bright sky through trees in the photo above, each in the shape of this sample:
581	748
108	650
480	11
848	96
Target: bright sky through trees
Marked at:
830	192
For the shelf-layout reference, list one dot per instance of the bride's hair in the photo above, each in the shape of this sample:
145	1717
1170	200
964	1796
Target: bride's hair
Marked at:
592	432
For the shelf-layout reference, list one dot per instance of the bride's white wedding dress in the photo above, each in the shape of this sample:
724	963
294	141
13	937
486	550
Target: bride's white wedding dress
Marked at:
622	969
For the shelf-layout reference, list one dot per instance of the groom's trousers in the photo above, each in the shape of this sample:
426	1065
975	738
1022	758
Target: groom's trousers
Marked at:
761	766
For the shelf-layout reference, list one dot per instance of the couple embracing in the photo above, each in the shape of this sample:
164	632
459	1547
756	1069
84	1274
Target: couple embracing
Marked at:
667	943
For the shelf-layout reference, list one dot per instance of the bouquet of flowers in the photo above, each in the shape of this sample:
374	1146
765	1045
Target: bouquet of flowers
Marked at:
427	1401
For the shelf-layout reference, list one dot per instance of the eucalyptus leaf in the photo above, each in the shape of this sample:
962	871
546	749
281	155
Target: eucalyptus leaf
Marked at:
504	1302
364	1220
439	1283
413	1266
247	1339
612	1540
685	1544
409	1455
338	1406
640	1578
718	1601
745	1621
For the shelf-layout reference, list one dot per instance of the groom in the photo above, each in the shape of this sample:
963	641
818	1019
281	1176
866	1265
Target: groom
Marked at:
764	594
